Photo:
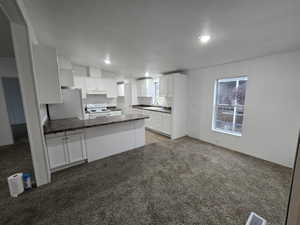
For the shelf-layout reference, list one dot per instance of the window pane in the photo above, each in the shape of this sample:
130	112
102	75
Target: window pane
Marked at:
241	92
239	119
226	93
229	108
224	118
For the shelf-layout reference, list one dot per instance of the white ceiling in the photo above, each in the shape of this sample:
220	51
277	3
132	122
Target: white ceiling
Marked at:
161	35
6	46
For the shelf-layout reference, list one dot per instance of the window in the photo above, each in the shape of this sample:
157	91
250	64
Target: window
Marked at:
229	101
156	92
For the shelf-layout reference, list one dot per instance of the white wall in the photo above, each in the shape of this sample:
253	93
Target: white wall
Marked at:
7	69
272	112
179	107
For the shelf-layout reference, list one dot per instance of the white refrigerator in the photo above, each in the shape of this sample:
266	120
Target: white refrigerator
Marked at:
71	107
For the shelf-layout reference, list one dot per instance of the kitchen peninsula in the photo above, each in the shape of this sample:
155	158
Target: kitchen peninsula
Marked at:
73	141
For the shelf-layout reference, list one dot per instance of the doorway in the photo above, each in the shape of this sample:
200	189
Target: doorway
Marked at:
15	110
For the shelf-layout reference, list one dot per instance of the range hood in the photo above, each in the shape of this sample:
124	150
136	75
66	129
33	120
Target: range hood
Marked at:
96	92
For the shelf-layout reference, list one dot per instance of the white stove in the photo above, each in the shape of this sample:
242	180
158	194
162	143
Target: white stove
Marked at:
96	108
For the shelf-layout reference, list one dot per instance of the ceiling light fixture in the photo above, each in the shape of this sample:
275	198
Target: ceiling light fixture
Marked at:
204	39
107	61
147	74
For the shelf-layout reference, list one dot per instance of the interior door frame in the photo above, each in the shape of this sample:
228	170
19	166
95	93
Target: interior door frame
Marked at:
22	43
6	100
293	210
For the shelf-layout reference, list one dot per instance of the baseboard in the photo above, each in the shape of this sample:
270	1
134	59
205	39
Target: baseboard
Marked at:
158	132
239	152
68	166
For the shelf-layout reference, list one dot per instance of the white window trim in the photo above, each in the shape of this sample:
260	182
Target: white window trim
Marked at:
227	132
214	105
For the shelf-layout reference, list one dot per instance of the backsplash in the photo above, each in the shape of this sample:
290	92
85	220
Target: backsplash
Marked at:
144	101
165	101
162	101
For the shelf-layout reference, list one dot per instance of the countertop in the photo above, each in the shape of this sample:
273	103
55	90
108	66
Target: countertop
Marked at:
62	125
154	108
113	108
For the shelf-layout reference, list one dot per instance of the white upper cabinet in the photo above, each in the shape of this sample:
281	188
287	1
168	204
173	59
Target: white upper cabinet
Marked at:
166	86
94	84
65	72
80	74
81	71
46	74
95	72
109	84
80	82
64	63
66	78
145	87
121	89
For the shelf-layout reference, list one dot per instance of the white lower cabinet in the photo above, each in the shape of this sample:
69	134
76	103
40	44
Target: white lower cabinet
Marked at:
166	123
56	151
76	147
104	141
65	149
158	121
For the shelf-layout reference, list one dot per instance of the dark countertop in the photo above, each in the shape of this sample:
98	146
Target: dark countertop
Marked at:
113	108
62	125
154	108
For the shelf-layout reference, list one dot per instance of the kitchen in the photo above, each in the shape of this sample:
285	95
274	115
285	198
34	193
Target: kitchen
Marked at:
85	108
150	112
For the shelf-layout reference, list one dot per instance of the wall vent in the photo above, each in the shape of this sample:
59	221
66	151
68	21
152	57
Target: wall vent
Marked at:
254	219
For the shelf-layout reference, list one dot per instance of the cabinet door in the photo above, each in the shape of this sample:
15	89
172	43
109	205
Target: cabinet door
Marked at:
145	88
80	82
46	74
75	147
92	84
56	151
80	71
170	86
66	78
147	121
163	86
64	63
166	123
121	90
110	87
94	72
155	121
139	88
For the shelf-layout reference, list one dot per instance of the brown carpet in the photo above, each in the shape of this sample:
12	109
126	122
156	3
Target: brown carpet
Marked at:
164	183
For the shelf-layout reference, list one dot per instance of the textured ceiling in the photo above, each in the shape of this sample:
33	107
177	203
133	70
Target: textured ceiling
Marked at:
156	36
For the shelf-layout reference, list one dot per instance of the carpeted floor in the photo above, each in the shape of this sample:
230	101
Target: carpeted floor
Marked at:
164	183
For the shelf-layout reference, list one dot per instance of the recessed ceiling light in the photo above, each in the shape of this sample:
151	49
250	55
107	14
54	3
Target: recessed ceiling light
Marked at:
107	61
204	39
147	74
